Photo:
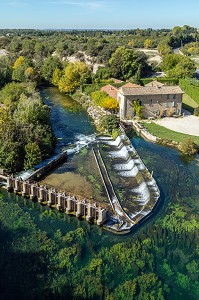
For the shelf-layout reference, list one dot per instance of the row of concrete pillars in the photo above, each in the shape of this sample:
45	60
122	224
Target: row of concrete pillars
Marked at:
70	204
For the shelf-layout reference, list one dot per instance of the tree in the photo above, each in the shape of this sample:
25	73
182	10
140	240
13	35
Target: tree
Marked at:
137	108
125	62
178	66
148	43
109	122
32	156
48	67
10	154
5	71
74	75
20	66
56	76
164	48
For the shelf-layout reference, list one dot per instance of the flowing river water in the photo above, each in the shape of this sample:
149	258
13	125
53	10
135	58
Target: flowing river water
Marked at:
177	178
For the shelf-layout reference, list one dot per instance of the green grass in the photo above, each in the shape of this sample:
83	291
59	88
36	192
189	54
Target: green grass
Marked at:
165	133
188	103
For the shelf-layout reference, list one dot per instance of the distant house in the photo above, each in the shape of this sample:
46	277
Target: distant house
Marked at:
156	98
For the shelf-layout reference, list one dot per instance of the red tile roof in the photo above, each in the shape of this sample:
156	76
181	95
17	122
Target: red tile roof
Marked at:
110	90
131	85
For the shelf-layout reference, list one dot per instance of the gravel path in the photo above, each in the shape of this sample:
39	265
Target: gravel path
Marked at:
187	124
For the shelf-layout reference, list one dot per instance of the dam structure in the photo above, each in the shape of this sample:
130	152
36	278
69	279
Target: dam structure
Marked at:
70	204
142	192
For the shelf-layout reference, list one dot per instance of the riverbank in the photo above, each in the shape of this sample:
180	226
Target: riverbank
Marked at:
94	111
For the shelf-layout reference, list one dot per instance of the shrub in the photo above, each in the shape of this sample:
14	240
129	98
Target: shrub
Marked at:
191	88
109	122
188	147
102	99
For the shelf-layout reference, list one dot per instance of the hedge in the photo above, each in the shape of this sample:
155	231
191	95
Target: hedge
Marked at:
191	88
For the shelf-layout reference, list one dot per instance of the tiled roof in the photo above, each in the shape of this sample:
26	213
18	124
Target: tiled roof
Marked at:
151	90
129	85
110	90
154	83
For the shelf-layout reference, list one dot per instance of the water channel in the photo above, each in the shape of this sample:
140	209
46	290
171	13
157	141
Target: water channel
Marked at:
177	178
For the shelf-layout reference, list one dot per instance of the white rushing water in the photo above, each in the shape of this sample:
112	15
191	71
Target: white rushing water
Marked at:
143	193
116	142
131	173
122	153
81	141
126	166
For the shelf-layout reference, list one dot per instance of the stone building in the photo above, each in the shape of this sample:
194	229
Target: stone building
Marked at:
156	98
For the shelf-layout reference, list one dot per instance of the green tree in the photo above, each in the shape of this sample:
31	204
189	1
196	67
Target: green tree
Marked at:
125	62
74	75
137	108
178	66
148	43
57	73
109	122
32	156
48	67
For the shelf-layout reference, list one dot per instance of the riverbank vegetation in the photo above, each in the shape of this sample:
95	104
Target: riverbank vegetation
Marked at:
183	141
25	134
56	267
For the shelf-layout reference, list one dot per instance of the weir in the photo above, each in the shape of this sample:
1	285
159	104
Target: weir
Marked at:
60	200
124	221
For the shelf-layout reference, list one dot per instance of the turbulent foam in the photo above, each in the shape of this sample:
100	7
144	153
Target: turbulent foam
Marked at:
105	138
139	164
127	166
114	142
143	193
131	173
122	153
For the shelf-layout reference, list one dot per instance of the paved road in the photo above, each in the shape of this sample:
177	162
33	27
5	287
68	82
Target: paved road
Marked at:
188	124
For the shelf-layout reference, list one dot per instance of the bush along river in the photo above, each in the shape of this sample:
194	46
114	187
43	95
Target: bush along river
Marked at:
48	254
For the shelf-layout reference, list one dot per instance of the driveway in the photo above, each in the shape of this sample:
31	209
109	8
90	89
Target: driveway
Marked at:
187	124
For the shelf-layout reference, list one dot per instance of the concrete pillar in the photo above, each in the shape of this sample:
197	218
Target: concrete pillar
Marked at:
25	189
42	195
9	183
59	201
102	216
80	209
17	184
70	205
90	212
33	191
51	198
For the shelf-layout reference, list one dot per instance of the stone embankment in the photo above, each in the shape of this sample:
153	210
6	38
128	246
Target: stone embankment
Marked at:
94	111
141	130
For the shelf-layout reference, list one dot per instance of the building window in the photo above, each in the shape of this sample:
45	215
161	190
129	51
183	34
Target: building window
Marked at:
150	101
167	104
174	96
167	96
173	104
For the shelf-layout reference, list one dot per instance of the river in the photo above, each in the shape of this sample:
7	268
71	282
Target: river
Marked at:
177	177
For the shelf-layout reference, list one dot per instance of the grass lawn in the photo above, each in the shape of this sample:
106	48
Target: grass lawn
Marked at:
165	133
188	103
